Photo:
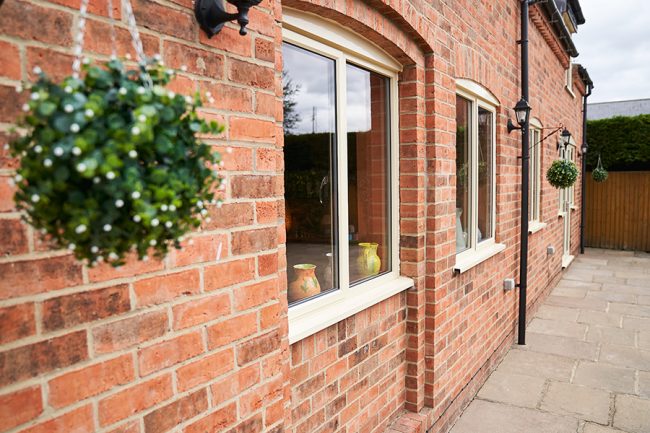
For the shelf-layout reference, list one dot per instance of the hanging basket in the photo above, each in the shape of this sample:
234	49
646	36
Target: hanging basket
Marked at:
599	174
111	164
562	174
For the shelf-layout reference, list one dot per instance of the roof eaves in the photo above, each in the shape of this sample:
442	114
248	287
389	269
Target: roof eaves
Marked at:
555	18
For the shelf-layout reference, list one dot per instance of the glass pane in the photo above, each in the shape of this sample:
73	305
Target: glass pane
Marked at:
309	178
463	137
533	176
368	173
485	182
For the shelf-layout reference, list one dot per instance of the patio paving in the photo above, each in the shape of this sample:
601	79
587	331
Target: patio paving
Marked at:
586	365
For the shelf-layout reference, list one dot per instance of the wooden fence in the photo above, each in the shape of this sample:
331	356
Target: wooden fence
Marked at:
618	211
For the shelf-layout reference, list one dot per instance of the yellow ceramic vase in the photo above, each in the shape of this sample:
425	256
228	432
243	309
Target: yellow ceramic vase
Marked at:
368	261
306	284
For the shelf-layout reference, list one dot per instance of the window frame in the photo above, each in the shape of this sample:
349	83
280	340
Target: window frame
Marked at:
535	223
331	40
479	252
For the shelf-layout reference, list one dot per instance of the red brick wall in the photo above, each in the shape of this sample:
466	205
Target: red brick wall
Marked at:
196	343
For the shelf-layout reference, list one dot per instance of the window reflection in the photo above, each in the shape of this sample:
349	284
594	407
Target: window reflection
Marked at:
485	186
463	170
310	180
368	140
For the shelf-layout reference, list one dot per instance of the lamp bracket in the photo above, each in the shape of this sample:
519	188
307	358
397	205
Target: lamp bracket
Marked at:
511	126
211	14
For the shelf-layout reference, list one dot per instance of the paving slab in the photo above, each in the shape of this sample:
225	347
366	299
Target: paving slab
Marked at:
630	309
582	303
515	389
604	334
644	340
488	417
561	314
632	414
600	318
537	364
612	296
562	346
580	401
570	292
596	428
625	356
636	323
605	376
562	329
644	384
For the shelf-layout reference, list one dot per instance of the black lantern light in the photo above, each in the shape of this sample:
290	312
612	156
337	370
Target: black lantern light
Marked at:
522	110
211	14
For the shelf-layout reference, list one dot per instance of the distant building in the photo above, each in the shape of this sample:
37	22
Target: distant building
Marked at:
605	110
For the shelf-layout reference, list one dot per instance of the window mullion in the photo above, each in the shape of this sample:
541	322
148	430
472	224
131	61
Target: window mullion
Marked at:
342	174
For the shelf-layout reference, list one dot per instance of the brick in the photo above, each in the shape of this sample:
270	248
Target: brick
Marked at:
229	98
133	266
7	161
267	212
205	369
164	19
70	310
232	329
267	264
252	186
101	33
35	359
10	60
164	288
129	427
129	332
20	406
229	40
196	60
29	277
268	105
46	25
93	380
247	129
270	315
96	7
13	237
199	311
254	241
234	383
134	399
250	425
167	417
255	294
251	74
264	49
17	322
257	347
10	111
230	215
79	420
167	353
228	273
215	422
200	249
55	64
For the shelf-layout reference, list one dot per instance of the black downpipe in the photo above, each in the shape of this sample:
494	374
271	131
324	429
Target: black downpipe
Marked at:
585	147
525	156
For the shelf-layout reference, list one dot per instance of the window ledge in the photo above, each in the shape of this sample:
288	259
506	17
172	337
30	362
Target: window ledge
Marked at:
560	215
535	226
574	207
309	324
473	259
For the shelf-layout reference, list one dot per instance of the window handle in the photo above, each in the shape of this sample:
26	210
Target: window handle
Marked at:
323	183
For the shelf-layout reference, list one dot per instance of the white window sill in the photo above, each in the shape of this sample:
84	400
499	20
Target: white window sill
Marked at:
309	324
468	261
535	226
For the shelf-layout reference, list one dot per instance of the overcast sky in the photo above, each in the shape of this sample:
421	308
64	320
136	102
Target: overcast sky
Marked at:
614	46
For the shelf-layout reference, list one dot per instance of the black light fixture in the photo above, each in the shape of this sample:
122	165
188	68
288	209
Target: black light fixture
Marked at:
211	14
565	138
522	111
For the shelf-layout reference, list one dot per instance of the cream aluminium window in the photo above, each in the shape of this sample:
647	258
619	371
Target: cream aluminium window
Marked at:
475	175
535	177
341	173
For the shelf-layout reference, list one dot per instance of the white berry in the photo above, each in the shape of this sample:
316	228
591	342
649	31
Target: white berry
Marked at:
119	203
68	108
155	222
133	153
80	228
58	151
135	195
74	128
35	198
76	151
135	130
107	227
110	175
81	167
47	162
137	218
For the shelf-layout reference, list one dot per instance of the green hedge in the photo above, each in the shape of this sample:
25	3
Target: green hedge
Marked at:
623	143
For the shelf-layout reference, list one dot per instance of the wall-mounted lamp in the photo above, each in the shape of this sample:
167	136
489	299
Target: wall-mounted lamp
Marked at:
565	139
211	14
522	111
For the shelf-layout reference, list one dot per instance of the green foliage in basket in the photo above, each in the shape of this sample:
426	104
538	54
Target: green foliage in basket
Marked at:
599	174
111	162
562	173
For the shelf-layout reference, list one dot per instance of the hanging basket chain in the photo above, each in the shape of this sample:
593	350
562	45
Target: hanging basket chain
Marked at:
137	42
79	38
